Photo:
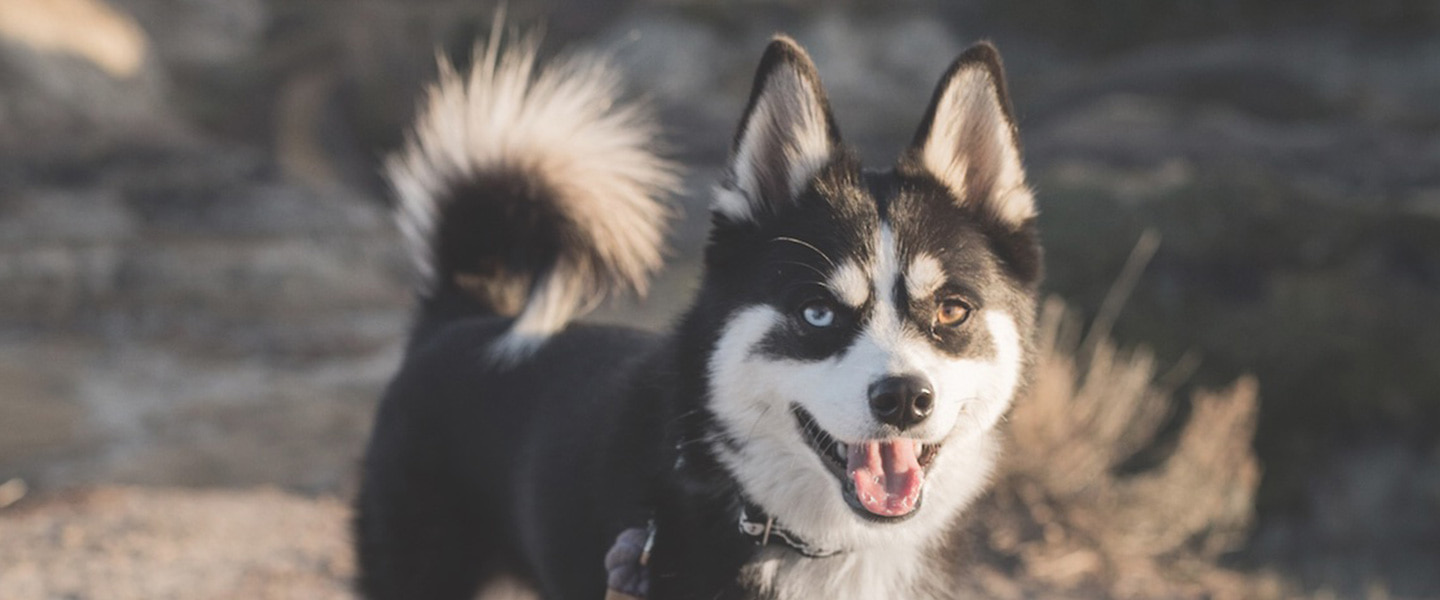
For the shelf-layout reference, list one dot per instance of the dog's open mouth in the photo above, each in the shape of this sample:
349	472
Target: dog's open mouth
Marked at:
881	480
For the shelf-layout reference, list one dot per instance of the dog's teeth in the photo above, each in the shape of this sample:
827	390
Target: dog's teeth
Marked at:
841	447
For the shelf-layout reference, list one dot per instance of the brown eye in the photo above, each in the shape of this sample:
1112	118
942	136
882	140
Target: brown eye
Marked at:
951	313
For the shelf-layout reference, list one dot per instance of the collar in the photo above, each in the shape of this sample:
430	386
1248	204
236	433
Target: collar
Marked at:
765	529
761	530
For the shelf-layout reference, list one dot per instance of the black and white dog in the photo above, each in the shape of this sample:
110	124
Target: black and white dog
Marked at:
814	425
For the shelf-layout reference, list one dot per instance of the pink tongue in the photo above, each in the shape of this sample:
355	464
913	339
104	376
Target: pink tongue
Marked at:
887	476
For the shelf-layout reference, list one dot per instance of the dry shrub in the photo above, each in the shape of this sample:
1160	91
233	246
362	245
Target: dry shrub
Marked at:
1063	517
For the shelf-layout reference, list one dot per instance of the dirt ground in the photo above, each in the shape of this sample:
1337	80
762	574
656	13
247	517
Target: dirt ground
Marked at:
156	543
123	543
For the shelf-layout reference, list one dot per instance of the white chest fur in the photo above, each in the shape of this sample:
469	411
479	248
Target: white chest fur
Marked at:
870	574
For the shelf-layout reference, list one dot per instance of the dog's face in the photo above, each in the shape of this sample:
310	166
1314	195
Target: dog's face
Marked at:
872	327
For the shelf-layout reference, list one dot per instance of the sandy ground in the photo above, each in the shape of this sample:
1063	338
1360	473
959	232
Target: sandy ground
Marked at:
121	543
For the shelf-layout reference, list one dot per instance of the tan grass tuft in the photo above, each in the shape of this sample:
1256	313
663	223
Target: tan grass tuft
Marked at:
1067	520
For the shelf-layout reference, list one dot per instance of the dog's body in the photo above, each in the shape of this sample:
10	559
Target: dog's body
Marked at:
836	383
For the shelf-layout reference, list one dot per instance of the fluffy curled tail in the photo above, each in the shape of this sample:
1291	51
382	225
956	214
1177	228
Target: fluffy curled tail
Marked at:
534	192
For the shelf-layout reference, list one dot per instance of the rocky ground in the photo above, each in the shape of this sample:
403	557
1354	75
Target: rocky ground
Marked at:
199	285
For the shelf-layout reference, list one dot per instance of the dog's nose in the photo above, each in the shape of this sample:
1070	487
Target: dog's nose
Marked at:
902	400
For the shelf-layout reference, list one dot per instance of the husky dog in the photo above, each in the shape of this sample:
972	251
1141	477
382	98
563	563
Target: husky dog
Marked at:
812	427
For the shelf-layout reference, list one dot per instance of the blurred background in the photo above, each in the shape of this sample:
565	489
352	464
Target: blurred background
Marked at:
201	294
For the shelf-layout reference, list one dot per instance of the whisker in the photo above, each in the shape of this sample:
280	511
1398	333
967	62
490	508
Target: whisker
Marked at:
807	245
685	415
965	410
797	263
758	418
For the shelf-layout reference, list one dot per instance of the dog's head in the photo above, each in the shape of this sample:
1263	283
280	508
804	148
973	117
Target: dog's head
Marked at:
870	327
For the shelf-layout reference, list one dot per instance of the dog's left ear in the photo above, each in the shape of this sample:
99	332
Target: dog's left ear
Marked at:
786	136
968	141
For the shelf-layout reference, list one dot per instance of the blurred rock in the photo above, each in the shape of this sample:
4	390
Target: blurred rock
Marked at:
1380	494
42	216
202	34
56	107
88	29
880	71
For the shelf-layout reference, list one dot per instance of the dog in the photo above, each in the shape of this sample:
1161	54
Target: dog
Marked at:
813	426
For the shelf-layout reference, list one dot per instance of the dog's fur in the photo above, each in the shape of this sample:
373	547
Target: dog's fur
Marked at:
515	444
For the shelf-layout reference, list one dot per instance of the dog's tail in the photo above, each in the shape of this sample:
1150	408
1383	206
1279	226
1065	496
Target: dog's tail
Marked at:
530	192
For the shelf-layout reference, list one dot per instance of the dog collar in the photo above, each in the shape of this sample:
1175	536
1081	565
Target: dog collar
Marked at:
766	529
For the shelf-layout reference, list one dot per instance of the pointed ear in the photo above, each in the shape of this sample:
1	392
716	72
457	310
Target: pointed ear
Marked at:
785	137
967	139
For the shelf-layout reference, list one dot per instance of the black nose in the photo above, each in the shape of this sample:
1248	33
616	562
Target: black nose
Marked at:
903	401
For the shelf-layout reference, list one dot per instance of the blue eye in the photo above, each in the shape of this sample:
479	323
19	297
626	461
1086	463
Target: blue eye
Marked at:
818	314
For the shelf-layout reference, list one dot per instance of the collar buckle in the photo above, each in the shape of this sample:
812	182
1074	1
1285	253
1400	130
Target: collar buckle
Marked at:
765	530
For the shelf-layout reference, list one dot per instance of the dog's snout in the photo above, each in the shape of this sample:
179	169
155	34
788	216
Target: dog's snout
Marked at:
902	400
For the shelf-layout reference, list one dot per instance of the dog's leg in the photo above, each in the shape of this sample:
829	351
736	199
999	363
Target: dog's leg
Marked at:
416	541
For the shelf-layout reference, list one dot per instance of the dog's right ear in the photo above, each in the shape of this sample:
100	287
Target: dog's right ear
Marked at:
968	141
785	137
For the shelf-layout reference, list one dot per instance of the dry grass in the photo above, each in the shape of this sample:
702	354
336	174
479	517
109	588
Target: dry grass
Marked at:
1064	518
